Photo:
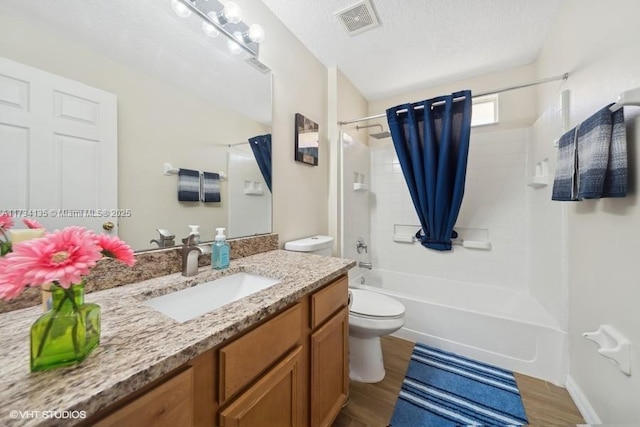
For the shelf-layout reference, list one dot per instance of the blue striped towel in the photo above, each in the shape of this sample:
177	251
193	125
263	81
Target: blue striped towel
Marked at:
592	159
188	185
615	180
565	183
210	187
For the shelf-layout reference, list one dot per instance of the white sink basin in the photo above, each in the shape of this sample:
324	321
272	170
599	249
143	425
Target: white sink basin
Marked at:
192	302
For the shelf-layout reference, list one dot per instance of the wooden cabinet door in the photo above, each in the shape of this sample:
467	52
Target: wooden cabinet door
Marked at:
274	400
170	404
329	369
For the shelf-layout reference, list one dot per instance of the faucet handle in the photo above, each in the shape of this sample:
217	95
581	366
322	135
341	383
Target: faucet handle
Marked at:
361	245
190	240
165	234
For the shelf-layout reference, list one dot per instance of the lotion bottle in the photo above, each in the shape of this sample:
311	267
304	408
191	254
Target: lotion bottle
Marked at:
220	251
195	231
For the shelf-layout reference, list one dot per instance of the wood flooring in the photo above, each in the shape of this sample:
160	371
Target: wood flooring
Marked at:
371	405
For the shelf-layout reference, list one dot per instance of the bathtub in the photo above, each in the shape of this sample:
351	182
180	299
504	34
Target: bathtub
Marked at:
508	329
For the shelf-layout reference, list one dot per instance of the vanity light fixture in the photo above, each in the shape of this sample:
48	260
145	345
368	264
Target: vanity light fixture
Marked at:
180	8
223	18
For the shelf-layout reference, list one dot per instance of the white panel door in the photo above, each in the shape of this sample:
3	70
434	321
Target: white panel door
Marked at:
58	139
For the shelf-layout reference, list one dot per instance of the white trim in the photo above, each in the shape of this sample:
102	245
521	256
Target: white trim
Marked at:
586	410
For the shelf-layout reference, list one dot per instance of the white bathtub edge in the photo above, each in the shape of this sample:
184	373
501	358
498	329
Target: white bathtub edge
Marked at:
580	399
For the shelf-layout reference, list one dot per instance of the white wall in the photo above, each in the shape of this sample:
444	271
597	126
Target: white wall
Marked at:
517	108
300	191
598	43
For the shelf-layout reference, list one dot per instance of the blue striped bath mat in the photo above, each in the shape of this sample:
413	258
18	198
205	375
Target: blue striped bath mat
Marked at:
444	389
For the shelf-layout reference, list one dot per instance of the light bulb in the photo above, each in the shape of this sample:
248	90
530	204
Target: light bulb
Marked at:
208	28
234	46
180	9
256	33
232	12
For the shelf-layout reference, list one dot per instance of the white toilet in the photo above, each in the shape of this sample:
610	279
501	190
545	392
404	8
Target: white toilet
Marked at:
371	315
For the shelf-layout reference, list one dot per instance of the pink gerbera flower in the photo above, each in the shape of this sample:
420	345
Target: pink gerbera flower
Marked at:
10	286
62	257
6	222
32	224
113	247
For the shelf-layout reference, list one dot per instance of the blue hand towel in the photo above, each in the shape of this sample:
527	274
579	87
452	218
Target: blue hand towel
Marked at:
210	187
188	185
565	184
615	180
592	159
594	141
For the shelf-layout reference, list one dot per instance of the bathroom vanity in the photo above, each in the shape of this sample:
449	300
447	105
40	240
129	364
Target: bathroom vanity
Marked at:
276	357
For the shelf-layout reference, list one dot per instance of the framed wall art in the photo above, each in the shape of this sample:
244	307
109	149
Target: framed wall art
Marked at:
307	141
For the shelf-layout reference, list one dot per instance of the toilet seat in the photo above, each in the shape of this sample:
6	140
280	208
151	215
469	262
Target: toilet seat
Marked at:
372	305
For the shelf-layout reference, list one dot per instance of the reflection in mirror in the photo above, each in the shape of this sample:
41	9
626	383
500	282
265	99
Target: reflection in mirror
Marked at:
250	187
178	97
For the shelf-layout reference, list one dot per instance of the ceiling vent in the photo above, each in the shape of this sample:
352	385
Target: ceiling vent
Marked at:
358	17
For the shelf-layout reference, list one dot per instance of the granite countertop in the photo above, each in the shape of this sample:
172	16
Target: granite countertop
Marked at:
138	344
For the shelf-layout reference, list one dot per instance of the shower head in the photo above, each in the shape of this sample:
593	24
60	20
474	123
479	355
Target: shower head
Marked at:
379	135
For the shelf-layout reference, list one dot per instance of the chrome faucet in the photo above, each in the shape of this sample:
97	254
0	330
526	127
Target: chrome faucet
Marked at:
361	245
166	239
190	253
364	265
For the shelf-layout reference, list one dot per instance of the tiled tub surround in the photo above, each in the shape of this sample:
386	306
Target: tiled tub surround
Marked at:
139	344
110	273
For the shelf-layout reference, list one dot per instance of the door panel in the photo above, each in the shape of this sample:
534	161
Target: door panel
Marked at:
68	133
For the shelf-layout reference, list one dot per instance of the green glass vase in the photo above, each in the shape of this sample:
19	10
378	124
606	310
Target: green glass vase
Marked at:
67	333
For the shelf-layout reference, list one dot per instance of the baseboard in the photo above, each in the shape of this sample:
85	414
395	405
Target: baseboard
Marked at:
588	413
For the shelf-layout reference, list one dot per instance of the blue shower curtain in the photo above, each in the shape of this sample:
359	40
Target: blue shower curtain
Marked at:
432	144
261	146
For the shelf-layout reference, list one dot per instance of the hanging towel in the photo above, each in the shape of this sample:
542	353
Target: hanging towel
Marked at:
594	141
188	185
210	187
615	180
565	184
592	159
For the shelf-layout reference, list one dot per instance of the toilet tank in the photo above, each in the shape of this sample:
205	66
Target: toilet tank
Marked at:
319	245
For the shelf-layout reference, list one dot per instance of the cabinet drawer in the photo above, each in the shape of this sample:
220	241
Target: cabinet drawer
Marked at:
245	359
328	300
169	404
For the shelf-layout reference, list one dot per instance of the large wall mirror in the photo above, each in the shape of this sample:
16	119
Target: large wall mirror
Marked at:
182	98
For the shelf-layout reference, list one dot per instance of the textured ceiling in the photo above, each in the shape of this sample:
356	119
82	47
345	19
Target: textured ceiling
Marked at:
421	43
146	35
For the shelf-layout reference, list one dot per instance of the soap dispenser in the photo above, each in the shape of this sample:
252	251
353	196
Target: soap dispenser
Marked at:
220	251
195	231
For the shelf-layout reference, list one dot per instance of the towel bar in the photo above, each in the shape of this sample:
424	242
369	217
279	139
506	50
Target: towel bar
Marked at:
170	170
630	98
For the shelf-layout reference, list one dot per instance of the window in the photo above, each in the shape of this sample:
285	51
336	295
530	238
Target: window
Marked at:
484	110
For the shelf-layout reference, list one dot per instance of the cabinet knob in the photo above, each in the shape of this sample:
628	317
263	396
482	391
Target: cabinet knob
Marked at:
108	226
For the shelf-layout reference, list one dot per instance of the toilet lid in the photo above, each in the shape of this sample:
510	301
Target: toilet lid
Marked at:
367	303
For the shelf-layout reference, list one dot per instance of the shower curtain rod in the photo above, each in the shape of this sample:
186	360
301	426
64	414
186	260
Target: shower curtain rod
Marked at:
564	76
